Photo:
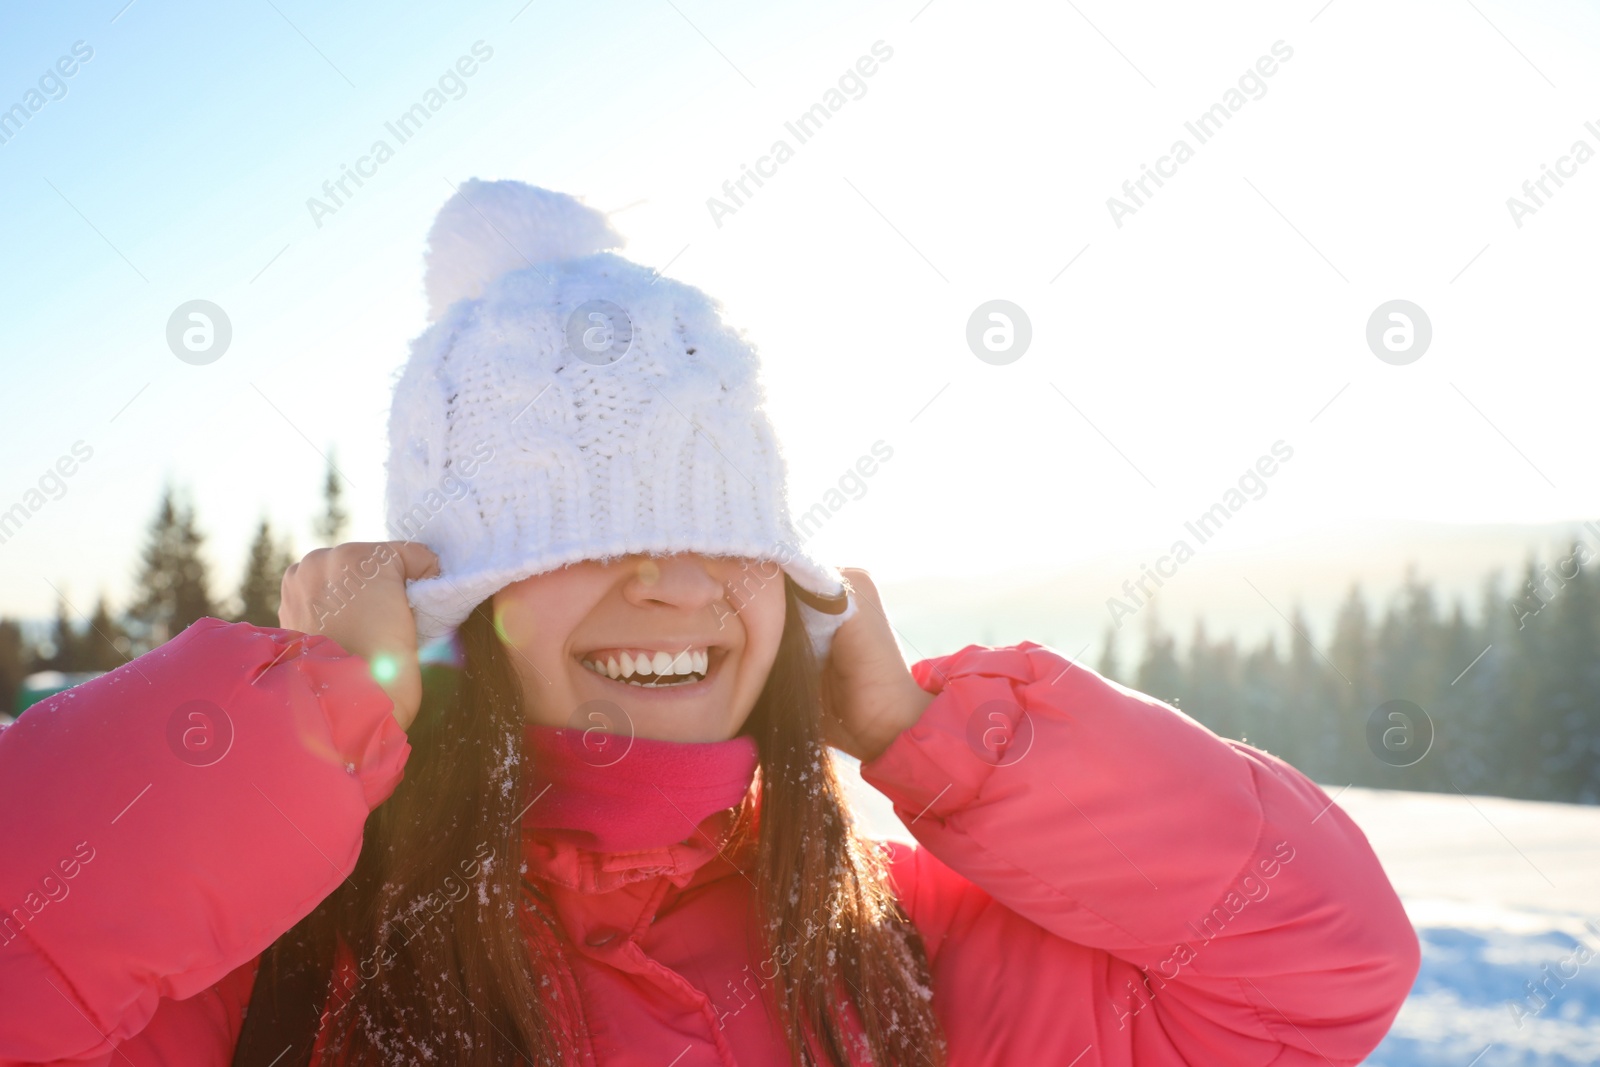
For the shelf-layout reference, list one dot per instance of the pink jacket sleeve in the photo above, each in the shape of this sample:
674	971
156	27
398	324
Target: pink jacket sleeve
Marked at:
1122	884
163	824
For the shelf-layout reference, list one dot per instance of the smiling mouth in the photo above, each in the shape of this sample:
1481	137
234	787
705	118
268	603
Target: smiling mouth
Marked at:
653	669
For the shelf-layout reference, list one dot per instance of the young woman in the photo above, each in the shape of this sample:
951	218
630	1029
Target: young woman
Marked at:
608	832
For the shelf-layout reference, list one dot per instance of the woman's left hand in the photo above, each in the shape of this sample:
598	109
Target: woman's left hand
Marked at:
868	693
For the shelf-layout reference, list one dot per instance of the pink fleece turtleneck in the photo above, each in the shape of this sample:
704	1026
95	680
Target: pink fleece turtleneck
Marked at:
616	794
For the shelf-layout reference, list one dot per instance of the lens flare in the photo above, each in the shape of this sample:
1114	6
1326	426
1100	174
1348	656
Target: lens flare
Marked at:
385	668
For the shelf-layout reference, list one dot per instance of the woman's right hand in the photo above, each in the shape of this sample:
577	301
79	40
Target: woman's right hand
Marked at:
355	593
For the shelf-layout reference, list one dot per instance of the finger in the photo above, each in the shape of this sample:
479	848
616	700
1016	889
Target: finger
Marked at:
856	576
861	582
417	559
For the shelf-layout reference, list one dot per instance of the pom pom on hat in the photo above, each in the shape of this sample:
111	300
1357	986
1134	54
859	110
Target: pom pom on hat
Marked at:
488	229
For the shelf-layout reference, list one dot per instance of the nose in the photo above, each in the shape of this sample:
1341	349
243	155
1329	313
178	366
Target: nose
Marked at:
684	581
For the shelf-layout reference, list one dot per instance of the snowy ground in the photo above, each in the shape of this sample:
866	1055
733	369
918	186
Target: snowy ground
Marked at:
1500	892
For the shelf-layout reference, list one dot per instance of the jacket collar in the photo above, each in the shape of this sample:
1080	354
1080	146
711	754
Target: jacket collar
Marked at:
605	811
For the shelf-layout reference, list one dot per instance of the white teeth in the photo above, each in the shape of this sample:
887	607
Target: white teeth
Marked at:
624	665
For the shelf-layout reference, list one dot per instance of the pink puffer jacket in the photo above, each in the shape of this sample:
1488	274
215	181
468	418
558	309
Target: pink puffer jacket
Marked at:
1133	890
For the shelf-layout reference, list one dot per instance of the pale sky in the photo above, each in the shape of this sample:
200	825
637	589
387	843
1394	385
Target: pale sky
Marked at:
1228	312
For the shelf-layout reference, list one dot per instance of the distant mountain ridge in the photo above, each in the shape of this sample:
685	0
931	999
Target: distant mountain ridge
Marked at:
1238	592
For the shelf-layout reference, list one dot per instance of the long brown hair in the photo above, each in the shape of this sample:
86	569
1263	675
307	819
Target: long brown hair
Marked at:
459	962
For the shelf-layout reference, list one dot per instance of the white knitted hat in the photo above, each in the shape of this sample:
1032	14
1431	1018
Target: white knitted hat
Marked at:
567	404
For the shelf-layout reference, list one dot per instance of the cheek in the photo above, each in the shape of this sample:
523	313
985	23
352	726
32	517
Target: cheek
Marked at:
515	619
764	619
532	624
535	651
